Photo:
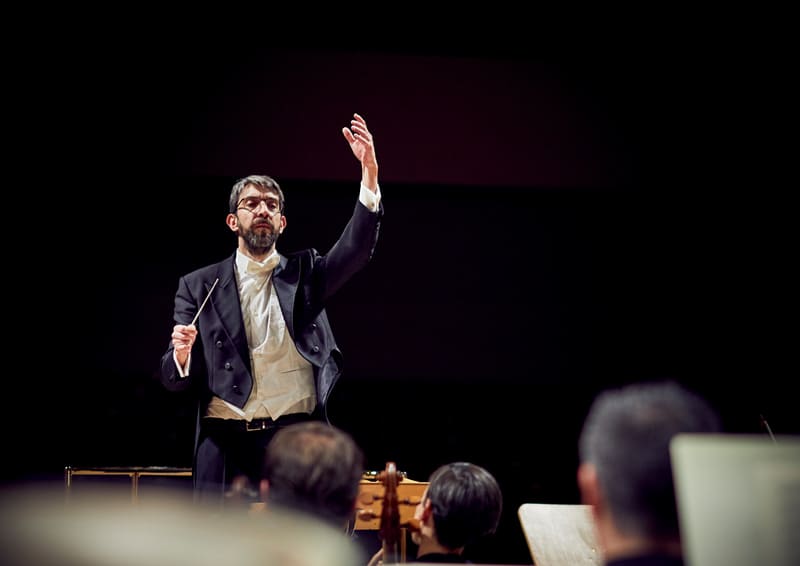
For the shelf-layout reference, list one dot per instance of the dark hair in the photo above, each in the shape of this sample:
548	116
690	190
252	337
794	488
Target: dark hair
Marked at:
466	501
626	436
263	182
315	468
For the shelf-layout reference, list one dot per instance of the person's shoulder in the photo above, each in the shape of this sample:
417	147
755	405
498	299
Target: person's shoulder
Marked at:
209	271
648	560
301	256
442	558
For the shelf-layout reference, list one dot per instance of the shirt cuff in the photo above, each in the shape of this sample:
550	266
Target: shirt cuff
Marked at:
369	199
182	371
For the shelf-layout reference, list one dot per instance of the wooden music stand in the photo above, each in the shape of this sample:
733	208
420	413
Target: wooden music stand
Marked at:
134	473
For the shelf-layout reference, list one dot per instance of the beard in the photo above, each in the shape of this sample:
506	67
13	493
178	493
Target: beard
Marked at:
259	242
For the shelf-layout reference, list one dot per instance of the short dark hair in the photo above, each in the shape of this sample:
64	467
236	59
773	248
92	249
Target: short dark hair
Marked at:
263	182
316	468
626	436
466	502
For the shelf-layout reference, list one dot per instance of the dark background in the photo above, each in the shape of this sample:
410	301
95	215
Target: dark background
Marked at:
555	224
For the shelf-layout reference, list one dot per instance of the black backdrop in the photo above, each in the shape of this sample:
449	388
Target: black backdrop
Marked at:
552	227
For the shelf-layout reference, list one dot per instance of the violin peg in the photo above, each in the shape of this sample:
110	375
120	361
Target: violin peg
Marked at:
367	514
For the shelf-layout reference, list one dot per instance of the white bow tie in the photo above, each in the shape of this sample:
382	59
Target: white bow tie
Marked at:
267	266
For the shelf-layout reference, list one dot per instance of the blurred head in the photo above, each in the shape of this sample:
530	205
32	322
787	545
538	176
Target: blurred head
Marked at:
624	452
315	468
102	527
465	502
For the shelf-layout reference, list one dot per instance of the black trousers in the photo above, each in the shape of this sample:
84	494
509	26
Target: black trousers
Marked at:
233	451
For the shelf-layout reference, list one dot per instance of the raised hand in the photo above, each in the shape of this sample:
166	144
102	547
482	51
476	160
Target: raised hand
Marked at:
363	146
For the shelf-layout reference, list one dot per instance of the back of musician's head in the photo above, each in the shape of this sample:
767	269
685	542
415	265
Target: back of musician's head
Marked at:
626	437
466	501
315	468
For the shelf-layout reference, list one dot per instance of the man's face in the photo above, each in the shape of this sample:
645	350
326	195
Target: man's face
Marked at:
260	219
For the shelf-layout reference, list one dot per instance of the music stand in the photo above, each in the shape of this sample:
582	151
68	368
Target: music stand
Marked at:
738	498
560	534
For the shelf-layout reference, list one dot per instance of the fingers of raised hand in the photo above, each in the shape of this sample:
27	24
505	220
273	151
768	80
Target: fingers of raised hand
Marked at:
360	131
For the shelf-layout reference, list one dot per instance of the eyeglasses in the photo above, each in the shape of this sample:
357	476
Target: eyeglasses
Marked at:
252	203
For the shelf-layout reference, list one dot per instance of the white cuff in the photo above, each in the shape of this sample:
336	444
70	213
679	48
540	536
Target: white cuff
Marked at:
369	199
182	372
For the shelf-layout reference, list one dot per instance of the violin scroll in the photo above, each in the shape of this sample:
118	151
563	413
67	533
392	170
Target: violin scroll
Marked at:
390	515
